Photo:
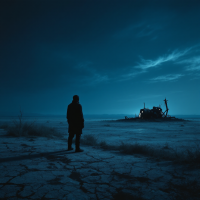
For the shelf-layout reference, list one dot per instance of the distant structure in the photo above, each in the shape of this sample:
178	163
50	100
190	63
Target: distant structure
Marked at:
152	115
156	112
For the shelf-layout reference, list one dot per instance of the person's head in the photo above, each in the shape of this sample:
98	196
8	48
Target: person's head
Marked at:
76	98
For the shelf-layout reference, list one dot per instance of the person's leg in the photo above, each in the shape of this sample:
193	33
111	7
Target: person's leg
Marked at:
78	141
78	136
71	135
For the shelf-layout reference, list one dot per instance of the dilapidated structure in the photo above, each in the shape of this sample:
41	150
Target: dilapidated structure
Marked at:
156	112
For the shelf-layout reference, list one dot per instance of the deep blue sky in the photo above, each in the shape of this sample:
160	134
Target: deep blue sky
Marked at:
115	55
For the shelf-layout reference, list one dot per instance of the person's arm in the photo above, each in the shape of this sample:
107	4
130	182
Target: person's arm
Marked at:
82	118
67	115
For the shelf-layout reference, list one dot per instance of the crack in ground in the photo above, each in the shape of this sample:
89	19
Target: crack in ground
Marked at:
77	177
55	181
94	157
96	193
124	195
8	182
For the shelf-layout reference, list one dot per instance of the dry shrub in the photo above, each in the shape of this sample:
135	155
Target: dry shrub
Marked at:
20	128
89	140
27	129
162	153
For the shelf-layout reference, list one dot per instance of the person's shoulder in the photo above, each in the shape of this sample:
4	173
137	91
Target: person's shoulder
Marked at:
79	105
70	105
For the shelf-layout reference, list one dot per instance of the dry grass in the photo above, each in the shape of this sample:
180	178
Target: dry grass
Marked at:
89	140
27	129
21	128
161	153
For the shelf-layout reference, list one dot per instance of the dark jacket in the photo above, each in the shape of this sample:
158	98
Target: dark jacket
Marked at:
75	118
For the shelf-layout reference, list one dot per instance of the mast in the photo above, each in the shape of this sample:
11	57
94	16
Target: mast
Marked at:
165	100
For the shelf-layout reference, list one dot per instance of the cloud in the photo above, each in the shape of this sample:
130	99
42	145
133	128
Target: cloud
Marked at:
84	65
127	31
145	64
128	76
98	78
175	55
164	78
137	30
193	64
147	31
90	76
194	76
142	97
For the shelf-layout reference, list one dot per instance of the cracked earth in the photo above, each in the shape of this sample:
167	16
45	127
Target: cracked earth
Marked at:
40	168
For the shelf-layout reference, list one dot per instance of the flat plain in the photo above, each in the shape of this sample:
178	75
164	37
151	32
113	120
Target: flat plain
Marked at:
121	160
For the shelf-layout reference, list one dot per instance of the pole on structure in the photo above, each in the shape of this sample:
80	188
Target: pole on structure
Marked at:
165	100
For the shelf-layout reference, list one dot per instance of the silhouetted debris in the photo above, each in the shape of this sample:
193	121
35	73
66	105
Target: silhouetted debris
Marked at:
154	114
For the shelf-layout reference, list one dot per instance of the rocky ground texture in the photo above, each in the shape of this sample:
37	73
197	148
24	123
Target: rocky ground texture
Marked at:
41	168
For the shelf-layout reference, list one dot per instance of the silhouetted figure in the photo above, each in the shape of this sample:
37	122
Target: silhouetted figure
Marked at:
76	122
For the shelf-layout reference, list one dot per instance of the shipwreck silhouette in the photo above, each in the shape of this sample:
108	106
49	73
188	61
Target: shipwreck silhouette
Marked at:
153	114
156	112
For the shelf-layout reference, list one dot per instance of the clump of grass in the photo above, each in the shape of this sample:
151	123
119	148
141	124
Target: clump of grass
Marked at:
192	156
135	148
103	145
89	140
166	146
20	128
4	126
27	129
